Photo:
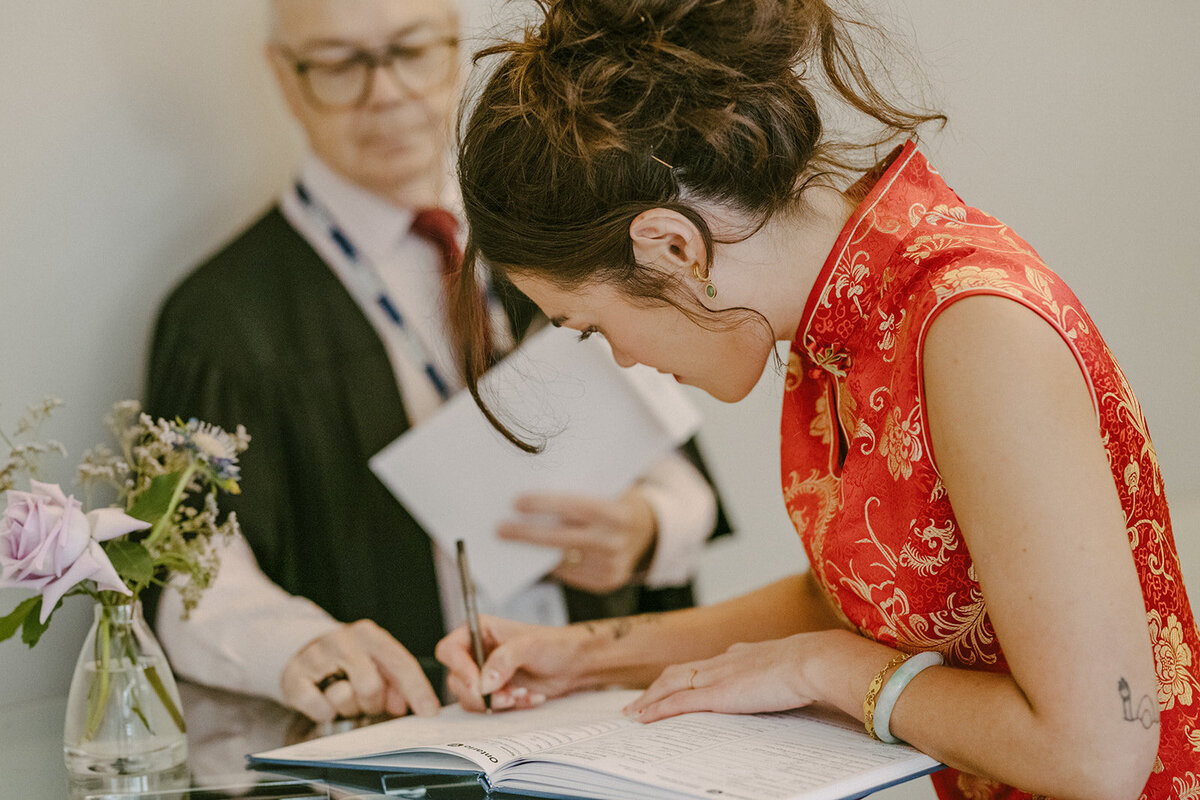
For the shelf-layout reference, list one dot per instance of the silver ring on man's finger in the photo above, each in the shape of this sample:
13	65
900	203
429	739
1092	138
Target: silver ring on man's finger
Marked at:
572	556
331	679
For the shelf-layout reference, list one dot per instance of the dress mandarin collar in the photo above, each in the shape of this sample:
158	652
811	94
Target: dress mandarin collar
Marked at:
838	309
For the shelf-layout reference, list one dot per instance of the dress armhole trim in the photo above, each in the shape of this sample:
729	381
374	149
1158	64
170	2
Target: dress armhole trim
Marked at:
946	303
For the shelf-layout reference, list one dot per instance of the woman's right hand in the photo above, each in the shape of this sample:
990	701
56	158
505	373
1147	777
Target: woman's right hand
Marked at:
525	665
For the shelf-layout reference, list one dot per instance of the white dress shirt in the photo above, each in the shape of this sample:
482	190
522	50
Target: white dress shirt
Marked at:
246	628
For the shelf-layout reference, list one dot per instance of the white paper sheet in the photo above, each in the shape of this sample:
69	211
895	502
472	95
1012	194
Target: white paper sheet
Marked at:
603	426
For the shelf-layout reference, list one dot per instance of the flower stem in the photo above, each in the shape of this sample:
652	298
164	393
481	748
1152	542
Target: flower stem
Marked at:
98	697
161	690
164	522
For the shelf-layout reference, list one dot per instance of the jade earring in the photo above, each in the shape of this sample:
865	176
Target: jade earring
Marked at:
710	291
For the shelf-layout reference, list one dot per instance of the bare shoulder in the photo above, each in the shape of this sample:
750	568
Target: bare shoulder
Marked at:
990	357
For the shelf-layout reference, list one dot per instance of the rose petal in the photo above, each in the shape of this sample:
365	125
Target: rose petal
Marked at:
53	591
18	506
50	491
18	582
92	564
109	523
70	537
105	576
38	537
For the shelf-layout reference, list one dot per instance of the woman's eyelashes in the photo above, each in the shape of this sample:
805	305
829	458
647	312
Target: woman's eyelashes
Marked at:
587	332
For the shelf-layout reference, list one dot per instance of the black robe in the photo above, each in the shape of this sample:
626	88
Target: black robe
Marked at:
264	334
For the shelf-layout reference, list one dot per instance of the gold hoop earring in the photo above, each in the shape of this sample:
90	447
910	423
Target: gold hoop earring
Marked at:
710	291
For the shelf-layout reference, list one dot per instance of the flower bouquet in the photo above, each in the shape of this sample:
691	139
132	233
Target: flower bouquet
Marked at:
161	523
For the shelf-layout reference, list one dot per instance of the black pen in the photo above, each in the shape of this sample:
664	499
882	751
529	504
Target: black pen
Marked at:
468	590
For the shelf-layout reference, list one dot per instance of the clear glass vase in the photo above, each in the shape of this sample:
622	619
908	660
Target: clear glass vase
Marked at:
123	711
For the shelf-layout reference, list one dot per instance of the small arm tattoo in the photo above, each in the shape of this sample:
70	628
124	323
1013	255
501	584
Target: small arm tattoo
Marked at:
619	628
1147	709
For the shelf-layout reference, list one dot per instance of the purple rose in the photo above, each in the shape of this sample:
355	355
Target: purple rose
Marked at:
49	545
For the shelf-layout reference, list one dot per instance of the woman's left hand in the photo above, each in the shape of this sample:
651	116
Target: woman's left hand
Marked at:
746	678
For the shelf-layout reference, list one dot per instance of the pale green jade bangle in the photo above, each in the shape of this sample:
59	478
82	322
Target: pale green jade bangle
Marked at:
895	685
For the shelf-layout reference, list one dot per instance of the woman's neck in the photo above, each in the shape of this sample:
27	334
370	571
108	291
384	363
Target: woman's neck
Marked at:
775	268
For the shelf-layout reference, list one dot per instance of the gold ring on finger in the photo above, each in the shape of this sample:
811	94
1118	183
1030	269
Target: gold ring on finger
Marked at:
692	678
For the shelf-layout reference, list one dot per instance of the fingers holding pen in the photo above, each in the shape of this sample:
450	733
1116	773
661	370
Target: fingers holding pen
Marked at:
525	664
469	683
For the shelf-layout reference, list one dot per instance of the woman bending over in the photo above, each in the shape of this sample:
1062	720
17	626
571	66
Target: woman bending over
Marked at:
993	576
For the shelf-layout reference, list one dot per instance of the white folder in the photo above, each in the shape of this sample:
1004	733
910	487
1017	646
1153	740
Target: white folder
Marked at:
602	427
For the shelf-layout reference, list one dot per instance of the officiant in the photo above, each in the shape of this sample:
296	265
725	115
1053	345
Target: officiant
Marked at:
332	340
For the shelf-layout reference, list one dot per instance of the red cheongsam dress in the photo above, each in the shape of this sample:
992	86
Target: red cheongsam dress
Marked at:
878	528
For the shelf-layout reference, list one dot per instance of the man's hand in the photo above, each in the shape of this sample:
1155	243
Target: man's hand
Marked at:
605	543
379	675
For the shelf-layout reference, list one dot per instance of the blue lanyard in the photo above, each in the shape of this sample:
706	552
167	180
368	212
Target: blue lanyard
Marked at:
374	286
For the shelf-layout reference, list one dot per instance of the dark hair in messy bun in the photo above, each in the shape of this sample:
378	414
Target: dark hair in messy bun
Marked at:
610	107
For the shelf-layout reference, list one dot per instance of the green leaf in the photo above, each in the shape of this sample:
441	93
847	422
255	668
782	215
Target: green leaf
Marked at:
131	560
153	501
9	624
33	629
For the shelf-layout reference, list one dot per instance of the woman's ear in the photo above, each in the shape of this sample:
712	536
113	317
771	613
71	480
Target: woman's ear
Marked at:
667	239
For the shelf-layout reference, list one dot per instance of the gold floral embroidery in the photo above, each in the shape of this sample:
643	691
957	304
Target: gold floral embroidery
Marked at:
1187	787
973	787
823	493
832	360
822	486
1128	406
949	216
822	422
864	433
848	277
1172	659
901	443
959	630
1159	560
1132	477
1193	737
924	247
890	273
957	280
887	333
936	542
1040	280
847	408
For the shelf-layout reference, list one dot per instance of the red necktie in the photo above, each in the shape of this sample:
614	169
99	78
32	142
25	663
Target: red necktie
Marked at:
440	228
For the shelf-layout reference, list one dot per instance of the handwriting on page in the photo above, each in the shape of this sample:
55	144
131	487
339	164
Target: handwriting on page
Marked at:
767	759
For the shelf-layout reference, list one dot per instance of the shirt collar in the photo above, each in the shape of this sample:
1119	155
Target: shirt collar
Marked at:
371	223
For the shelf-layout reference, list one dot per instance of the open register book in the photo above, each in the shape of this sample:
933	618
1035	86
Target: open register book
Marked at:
581	747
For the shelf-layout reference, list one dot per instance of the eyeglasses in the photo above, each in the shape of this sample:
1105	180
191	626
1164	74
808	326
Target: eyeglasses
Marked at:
345	78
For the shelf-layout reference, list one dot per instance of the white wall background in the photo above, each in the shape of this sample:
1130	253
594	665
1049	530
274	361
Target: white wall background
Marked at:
136	137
